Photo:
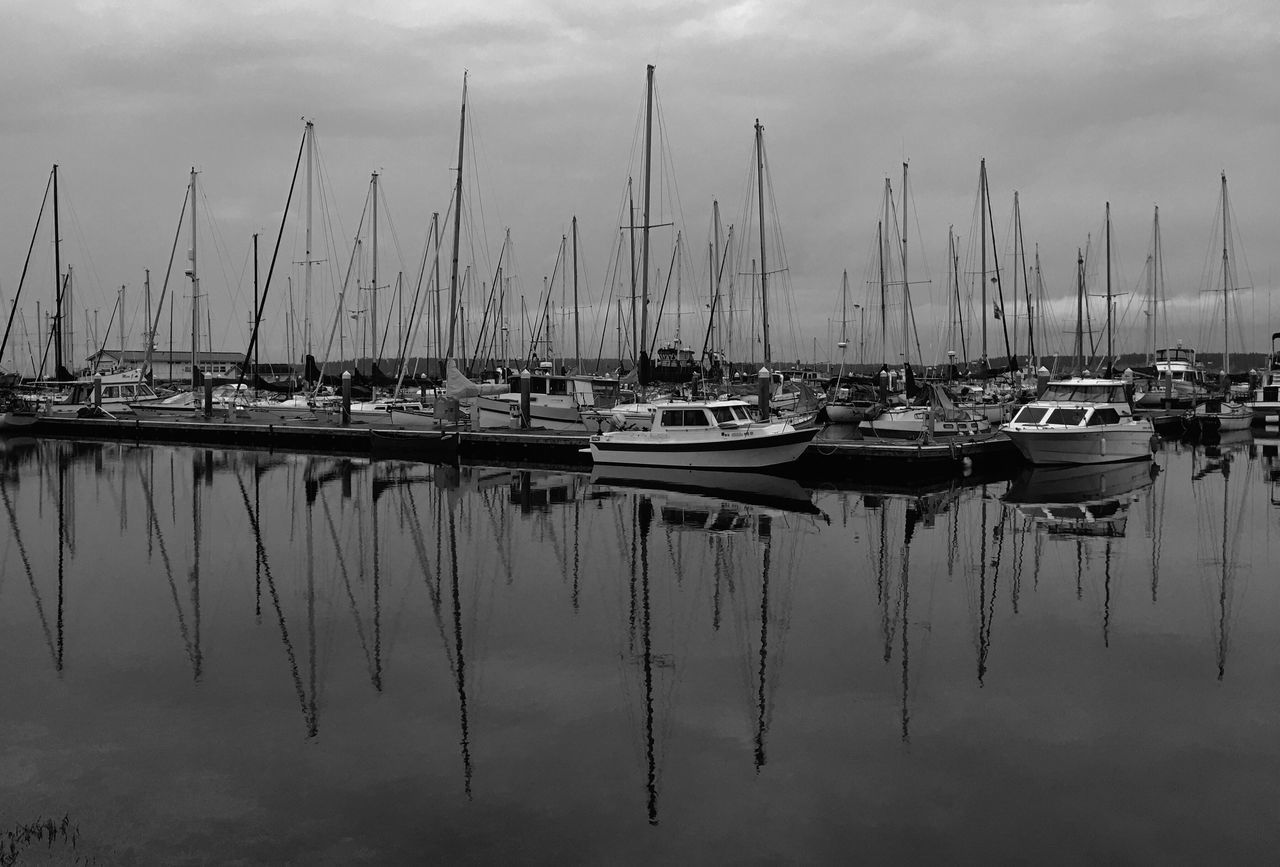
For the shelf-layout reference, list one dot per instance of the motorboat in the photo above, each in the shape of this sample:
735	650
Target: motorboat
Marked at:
1265	402
703	434
1081	421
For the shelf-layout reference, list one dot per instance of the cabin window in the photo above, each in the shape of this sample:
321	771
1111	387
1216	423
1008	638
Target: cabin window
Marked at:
722	414
695	418
1066	416
672	417
741	413
1031	414
1104	415
111	391
557	386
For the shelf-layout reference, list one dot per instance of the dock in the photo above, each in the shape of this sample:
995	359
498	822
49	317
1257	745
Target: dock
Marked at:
831	454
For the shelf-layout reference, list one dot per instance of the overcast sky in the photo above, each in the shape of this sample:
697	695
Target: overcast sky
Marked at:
1071	104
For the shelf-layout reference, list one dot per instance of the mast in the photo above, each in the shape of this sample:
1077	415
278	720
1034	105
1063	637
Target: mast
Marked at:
906	305
457	222
884	343
644	231
1226	288
764	279
631	237
309	133
57	281
147	335
195	291
257	370
982	204
1110	358
577	325
373	289
1079	347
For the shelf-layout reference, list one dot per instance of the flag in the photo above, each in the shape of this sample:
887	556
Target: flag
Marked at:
998	314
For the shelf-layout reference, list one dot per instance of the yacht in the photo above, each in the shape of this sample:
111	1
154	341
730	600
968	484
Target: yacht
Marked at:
703	434
1081	421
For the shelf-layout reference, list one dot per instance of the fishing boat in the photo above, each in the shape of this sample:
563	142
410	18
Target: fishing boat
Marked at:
1265	404
711	434
1081	421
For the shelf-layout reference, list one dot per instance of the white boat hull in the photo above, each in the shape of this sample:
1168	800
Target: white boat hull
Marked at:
913	423
499	411
1099	444
743	448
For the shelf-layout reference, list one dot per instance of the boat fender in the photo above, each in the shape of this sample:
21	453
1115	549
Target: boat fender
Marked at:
1102	446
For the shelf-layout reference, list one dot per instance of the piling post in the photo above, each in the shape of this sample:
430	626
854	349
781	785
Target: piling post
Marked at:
346	398
97	391
1042	380
208	397
526	387
763	382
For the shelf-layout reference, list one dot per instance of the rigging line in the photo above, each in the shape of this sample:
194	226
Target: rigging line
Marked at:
26	262
173	249
257	318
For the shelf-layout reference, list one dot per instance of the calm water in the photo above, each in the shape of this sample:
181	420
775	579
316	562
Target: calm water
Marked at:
213	656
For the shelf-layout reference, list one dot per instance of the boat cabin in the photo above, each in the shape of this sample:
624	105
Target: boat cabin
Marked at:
722	414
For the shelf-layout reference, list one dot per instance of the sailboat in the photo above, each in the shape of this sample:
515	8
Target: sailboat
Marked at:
931	412
1220	414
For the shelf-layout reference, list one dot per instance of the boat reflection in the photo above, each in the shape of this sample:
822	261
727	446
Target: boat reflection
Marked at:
755	489
1080	500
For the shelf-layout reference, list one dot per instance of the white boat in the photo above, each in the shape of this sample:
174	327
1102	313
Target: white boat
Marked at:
934	415
1179	381
1265	403
1218	416
555	402
712	434
119	390
1081	421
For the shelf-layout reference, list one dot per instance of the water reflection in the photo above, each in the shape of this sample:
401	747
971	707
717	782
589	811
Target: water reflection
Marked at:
622	647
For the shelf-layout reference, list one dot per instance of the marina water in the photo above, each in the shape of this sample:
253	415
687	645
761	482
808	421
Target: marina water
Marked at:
213	656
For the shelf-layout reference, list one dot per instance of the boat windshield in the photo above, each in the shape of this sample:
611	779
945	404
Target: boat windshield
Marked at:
1066	416
1031	414
1084	393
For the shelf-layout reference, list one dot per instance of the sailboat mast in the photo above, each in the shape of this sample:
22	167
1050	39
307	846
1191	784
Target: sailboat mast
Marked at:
982	219
57	280
906	287
1157	275
884	330
1079	347
764	270
195	292
147	335
457	222
1226	284
1110	358
306	268
644	231
373	287
577	325
257	369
